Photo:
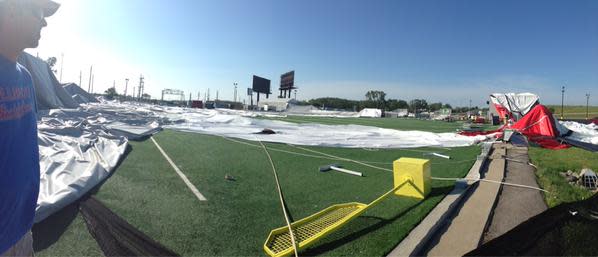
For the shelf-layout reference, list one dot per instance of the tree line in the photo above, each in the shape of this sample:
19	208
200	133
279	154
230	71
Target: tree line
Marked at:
377	99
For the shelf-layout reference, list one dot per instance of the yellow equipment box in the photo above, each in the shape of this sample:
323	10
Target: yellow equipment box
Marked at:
416	170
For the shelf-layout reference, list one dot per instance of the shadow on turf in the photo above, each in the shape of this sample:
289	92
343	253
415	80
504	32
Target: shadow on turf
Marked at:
48	231
380	223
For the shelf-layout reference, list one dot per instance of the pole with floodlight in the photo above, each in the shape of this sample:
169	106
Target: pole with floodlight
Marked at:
562	102
587	106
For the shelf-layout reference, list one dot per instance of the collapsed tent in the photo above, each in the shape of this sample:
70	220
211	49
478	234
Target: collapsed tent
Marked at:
513	105
49	94
78	94
539	126
533	120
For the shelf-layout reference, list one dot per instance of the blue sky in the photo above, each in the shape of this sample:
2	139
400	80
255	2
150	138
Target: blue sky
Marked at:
448	51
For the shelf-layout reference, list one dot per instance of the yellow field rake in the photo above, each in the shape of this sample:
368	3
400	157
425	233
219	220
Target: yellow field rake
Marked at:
407	171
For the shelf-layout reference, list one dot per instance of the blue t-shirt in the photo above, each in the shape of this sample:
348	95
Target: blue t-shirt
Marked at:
19	153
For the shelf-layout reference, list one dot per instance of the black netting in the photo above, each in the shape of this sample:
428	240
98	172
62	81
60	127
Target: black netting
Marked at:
115	236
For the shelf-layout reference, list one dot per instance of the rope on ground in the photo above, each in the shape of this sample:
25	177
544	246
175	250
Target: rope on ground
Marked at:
341	158
436	178
364	163
490	181
282	204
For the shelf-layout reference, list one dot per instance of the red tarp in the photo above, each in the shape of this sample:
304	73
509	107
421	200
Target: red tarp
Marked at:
537	125
502	112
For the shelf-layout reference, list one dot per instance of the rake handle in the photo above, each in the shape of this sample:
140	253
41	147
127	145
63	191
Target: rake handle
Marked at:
347	171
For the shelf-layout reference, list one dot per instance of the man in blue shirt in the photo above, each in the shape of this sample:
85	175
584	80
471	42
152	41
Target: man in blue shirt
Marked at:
21	22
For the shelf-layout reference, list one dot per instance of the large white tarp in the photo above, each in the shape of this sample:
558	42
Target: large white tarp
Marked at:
78	94
49	94
79	148
74	157
587	133
517	103
245	125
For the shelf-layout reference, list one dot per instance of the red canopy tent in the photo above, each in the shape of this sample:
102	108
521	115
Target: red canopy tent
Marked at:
536	122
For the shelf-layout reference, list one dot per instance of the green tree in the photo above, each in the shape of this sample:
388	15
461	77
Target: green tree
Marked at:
393	104
403	104
52	62
376	99
435	106
418	104
110	93
335	103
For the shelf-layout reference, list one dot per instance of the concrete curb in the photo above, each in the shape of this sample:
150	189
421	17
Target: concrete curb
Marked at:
436	219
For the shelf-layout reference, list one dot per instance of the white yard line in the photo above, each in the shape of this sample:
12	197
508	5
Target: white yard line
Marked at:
178	171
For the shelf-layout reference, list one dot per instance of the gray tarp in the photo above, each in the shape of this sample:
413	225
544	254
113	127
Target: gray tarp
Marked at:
49	93
79	148
74	158
78	94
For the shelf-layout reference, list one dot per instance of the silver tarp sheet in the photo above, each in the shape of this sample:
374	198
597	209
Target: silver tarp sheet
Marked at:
49	94
79	148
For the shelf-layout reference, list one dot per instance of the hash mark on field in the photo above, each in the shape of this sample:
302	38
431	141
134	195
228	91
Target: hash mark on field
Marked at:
178	171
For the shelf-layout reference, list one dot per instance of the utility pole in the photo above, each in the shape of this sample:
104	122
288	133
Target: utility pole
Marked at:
89	85
126	86
295	94
587	106
61	65
208	94
216	95
141	86
562	102
80	77
93	80
235	84
469	111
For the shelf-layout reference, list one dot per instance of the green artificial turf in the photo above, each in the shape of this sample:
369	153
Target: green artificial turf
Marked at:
551	162
239	214
391	123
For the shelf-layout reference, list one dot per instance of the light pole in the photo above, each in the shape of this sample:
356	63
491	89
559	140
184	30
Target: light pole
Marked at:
126	87
235	84
587	106
562	102
469	110
61	65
